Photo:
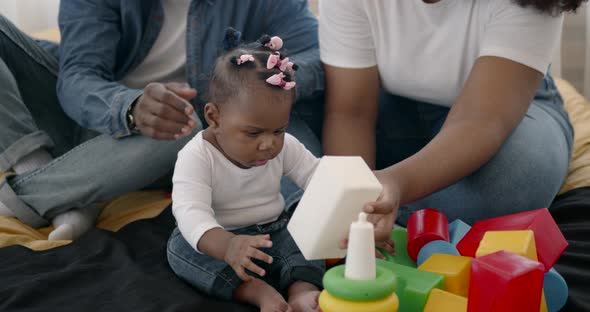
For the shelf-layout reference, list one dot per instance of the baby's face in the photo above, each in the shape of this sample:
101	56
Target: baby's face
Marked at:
252	128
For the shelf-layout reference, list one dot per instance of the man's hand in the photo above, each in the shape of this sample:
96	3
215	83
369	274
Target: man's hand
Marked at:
163	111
242	249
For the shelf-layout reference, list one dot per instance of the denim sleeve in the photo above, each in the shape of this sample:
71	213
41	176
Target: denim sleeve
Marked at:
293	21
86	88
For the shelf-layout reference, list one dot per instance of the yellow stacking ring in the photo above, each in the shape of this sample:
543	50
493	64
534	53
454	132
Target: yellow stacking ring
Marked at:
329	303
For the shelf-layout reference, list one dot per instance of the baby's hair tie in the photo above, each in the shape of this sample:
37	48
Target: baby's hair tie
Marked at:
231	39
244	58
290	68
278	80
275	43
274	60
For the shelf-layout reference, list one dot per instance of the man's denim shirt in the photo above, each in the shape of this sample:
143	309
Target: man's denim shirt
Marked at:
103	40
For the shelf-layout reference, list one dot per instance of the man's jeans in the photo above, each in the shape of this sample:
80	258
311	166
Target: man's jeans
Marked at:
88	167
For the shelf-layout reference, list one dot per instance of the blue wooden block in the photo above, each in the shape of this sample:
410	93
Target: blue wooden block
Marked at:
457	229
436	247
556	290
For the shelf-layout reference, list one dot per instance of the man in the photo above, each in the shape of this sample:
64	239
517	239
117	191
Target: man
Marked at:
108	113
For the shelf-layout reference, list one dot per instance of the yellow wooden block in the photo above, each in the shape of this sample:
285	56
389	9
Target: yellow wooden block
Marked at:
455	269
518	242
442	301
329	303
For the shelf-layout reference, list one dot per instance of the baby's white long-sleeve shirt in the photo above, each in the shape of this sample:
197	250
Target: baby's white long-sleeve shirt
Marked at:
210	191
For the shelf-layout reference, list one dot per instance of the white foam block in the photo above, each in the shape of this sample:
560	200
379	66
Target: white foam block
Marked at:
336	194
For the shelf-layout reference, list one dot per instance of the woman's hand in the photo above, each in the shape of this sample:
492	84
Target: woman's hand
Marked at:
383	212
242	249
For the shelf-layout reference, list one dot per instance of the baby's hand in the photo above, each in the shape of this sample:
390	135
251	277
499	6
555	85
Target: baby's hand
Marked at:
242	249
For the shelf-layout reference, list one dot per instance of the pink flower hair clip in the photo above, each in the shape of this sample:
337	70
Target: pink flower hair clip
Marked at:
275	43
244	58
278	80
274	60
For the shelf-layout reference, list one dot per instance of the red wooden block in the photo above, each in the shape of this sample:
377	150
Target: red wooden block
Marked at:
424	226
549	241
505	282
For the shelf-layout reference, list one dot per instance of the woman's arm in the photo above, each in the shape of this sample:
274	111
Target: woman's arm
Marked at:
352	105
494	100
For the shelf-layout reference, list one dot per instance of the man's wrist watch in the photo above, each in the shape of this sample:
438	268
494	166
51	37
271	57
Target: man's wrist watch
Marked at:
130	120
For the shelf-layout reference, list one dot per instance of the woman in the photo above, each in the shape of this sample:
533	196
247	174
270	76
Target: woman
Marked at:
468	120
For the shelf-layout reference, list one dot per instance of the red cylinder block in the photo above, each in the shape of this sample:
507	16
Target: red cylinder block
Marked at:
424	226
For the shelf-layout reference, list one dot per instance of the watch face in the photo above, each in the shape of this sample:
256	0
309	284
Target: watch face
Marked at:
131	122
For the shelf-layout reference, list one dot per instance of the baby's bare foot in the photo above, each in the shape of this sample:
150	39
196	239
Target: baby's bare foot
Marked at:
303	297
305	302
262	295
272	301
276	306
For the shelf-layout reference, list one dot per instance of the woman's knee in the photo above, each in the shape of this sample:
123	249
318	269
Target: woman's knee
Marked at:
533	161
525	174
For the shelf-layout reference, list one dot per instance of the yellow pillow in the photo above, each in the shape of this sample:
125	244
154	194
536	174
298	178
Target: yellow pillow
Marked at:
51	34
126	209
578	108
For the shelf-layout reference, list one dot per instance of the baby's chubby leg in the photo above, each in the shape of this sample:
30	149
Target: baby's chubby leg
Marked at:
197	269
300	277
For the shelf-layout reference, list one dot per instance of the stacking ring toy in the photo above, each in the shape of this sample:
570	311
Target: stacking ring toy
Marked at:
382	286
329	303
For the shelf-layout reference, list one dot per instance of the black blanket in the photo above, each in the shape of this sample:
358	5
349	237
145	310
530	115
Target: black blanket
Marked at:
128	271
571	211
102	271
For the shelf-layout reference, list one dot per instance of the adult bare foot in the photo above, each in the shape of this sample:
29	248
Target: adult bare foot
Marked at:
262	295
303	297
